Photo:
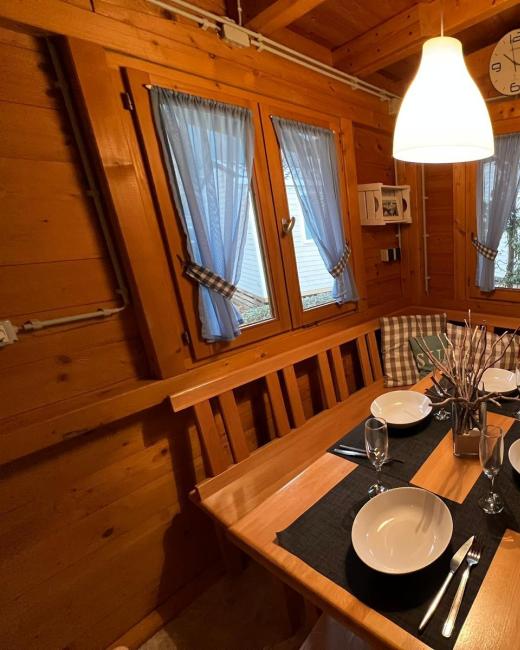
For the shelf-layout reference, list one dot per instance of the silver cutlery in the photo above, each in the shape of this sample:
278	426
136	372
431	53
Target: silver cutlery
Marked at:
472	559
455	563
349	453
363	452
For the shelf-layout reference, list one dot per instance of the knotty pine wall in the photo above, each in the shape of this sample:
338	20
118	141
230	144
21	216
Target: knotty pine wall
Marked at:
97	531
375	164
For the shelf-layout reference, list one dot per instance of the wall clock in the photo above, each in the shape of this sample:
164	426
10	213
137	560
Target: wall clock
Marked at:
504	65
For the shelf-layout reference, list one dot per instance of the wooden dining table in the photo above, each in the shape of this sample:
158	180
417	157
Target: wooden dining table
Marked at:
493	622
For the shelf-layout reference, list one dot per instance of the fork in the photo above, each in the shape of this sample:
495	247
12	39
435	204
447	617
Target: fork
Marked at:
472	558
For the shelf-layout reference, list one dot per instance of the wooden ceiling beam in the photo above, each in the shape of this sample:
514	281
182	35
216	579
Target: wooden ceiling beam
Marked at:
280	14
404	34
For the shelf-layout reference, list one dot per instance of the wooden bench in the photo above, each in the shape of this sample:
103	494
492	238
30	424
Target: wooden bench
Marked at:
240	479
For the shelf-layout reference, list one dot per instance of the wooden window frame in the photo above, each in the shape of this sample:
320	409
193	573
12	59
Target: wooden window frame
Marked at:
172	227
300	316
500	294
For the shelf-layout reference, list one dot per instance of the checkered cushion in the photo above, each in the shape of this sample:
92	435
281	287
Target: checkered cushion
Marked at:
508	361
396	331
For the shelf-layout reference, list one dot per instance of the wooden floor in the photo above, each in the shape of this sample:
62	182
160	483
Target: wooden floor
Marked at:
236	613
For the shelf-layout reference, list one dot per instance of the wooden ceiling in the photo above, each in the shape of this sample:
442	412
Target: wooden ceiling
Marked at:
379	40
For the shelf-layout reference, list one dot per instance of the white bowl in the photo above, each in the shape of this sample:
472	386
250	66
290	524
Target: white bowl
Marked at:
401	408
402	530
498	380
514	455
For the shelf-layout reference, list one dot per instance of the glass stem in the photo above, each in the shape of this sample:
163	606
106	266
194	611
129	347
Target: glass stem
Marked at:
492	486
378	470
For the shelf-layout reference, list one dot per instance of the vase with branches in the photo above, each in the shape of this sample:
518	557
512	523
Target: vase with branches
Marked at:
461	369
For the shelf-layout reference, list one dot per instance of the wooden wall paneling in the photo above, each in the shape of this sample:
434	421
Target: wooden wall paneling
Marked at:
460	234
412	265
348	147
113	500
53	260
190	48
439	224
374	163
136	223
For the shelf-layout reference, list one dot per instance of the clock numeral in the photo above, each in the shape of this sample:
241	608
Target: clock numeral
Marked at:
497	66
514	87
515	38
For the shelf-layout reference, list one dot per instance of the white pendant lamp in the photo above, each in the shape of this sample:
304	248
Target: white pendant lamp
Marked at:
443	117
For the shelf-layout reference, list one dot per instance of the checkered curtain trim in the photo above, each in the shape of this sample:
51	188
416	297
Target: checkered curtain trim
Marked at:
208	279
341	265
485	251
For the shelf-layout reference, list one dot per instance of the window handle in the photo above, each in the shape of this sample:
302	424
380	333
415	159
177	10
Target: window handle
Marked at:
288	225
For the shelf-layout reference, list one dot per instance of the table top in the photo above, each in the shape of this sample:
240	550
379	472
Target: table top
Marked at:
494	618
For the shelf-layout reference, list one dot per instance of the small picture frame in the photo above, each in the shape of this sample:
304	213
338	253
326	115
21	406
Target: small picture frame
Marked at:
392	205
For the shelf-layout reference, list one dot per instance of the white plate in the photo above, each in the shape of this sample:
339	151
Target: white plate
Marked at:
498	380
402	530
401	408
514	455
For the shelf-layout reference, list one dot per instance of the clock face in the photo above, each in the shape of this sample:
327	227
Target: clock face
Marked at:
504	65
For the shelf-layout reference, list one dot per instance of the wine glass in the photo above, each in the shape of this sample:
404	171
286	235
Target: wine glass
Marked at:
442	414
376	443
517	375
491	453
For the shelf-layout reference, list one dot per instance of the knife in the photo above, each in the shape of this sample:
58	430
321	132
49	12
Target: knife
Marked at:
455	563
352	453
363	452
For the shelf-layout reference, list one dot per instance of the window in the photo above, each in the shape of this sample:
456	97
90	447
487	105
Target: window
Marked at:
252	296
315	281
218	177
507	262
311	179
498	209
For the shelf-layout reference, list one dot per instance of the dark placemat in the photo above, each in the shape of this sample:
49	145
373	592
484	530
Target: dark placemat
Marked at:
321	538
412	445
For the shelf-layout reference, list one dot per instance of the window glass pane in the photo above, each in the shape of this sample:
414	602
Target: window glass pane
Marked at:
252	296
314	279
507	262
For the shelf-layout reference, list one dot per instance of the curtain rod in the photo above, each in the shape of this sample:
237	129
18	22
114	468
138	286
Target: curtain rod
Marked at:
207	20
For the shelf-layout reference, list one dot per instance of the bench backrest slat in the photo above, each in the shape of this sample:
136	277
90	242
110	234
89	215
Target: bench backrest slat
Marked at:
274	391
327	385
233	424
293	395
216	454
366	368
375	357
338	370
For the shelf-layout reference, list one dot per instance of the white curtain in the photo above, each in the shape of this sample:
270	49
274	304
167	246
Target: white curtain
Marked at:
208	150
310	153
498	183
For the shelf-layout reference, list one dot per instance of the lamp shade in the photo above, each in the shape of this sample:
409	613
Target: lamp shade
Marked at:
443	117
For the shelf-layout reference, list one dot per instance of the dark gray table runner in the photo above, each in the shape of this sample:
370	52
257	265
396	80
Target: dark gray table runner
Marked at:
321	536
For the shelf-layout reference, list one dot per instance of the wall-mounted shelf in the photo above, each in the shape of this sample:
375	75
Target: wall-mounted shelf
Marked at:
384	204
